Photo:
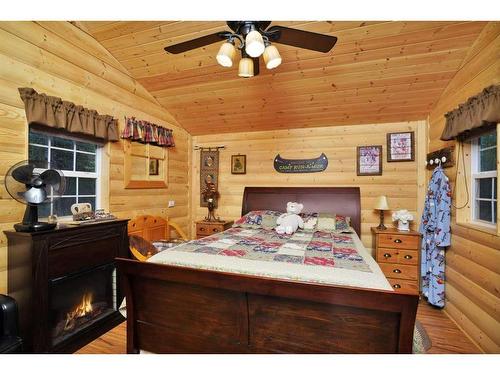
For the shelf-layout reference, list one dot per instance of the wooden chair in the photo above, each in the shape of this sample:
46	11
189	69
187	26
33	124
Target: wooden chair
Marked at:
150	229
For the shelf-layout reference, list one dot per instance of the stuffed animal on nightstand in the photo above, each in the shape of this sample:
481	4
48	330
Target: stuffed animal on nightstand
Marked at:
288	223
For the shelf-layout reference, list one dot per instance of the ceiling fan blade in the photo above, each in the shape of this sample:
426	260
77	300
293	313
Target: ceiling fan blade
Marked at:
198	42
23	173
256	70
301	38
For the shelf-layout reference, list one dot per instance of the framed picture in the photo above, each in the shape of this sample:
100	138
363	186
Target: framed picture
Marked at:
369	161
238	164
401	146
153	167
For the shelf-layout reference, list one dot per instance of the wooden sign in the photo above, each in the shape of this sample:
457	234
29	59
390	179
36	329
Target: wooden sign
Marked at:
318	164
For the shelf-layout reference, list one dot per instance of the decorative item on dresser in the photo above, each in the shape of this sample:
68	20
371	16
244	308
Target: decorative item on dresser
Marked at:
206	228
397	253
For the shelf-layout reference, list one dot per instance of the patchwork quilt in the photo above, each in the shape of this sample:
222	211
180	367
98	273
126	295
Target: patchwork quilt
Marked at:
315	249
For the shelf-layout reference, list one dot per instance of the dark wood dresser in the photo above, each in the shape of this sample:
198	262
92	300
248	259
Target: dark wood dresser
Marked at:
397	253
65	282
207	228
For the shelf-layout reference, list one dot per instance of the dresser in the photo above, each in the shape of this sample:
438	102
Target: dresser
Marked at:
397	253
207	228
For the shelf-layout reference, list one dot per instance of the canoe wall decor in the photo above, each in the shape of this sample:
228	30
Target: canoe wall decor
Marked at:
318	164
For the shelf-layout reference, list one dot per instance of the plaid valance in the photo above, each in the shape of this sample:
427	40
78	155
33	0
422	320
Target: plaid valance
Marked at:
147	132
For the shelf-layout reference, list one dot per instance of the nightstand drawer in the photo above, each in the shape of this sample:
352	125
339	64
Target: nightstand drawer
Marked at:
404	286
399	271
386	255
207	229
398	241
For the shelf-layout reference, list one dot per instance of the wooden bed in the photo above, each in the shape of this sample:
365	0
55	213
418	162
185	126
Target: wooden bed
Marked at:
184	310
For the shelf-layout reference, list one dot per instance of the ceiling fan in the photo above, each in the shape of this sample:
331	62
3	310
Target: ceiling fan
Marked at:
255	39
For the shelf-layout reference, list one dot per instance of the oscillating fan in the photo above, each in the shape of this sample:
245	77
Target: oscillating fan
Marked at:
32	183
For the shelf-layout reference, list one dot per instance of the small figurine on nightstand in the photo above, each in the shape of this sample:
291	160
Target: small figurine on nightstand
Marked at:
210	194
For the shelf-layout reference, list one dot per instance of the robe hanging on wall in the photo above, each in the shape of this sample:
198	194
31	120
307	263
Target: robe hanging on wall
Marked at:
435	229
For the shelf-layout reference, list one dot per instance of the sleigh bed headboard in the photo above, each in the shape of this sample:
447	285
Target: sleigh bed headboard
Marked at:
339	200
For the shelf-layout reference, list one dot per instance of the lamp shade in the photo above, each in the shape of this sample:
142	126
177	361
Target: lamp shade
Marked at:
226	54
245	68
381	203
254	44
272	57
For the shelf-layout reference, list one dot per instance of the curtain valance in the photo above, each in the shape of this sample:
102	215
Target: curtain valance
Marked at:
147	132
479	114
56	113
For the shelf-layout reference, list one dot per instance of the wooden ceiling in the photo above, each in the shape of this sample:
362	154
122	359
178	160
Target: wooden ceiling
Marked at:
377	72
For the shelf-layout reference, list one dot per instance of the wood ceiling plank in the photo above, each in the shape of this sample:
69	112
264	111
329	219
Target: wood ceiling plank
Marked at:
333	76
290	71
238	97
112	29
196	66
428	98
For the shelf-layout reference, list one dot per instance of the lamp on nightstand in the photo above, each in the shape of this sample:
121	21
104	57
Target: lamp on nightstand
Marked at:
381	205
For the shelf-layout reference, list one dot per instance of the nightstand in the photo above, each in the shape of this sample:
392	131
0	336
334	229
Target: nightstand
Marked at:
207	228
397	253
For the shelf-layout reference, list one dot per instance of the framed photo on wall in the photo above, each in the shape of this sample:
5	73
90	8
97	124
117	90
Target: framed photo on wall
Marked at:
238	164
401	146
369	161
154	167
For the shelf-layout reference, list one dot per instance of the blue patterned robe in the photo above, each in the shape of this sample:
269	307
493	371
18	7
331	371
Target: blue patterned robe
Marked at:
435	229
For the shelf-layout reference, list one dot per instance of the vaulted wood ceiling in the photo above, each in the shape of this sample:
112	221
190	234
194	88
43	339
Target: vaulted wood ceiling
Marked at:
377	72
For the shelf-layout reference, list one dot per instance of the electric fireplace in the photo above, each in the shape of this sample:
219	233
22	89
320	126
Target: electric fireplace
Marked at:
66	284
78	301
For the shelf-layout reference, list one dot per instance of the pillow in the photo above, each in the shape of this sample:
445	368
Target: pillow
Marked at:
310	221
333	223
326	223
342	224
257	219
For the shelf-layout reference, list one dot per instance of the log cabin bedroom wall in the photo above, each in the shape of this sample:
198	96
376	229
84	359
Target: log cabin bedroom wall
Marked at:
384	77
59	59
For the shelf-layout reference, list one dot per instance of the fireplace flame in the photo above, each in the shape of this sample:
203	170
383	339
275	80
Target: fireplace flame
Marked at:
84	308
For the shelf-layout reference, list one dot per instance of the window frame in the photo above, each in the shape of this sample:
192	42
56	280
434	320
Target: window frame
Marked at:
73	173
476	175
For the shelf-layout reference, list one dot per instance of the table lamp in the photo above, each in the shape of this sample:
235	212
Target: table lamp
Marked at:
381	205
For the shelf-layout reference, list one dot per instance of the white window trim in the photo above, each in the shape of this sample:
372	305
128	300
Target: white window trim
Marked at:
66	173
475	175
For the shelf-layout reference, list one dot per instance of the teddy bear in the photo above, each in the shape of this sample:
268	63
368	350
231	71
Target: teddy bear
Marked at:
289	222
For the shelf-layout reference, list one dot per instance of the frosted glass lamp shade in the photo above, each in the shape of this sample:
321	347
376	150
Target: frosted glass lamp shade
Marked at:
226	54
272	57
246	67
254	44
381	203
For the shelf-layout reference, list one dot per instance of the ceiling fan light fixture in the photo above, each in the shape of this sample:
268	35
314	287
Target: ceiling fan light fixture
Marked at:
245	68
272	57
254	44
226	54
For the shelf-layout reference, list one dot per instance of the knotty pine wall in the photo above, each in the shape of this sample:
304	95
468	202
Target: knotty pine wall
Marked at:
473	260
59	59
400	181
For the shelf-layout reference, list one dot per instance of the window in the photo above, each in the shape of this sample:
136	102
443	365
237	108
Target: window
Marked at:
78	161
484	179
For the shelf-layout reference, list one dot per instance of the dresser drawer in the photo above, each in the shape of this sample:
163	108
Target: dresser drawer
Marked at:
403	256
408	257
387	255
399	271
398	241
404	286
208	229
